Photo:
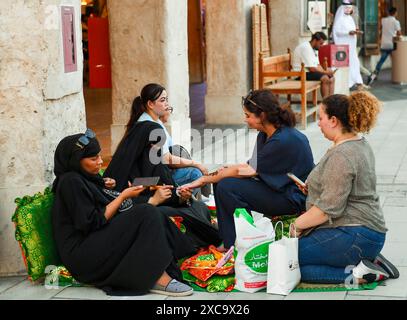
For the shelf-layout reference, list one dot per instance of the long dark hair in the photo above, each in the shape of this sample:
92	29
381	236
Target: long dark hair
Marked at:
150	92
264	100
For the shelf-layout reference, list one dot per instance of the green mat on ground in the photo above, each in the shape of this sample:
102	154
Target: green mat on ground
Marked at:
308	287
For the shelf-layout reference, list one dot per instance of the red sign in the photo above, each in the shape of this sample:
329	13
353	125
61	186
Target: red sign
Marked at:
337	55
100	74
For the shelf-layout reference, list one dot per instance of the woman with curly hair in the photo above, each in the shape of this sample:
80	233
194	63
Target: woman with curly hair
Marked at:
344	225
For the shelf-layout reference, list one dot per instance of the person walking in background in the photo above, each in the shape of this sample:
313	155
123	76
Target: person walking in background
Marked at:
390	28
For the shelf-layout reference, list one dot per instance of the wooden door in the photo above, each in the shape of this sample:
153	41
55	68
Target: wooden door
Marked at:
99	53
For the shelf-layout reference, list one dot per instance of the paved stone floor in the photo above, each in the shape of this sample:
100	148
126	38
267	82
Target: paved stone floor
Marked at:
388	140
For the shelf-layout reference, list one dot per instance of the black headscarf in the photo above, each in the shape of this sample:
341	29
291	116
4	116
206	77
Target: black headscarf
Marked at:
68	155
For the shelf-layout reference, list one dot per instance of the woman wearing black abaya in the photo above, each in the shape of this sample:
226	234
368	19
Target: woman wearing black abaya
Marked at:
142	153
105	239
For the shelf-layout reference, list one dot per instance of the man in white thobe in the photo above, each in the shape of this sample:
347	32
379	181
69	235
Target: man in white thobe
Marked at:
345	32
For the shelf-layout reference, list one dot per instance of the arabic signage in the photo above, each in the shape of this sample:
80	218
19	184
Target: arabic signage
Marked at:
257	258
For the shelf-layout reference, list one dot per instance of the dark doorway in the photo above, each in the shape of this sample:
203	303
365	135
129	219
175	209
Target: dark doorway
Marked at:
196	60
97	86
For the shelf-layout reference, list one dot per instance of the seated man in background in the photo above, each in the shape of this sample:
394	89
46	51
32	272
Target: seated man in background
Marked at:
307	53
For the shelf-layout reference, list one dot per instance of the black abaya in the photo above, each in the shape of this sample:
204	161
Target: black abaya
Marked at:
127	253
132	159
196	219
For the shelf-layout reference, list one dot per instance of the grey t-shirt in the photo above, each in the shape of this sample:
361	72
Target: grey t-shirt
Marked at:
343	185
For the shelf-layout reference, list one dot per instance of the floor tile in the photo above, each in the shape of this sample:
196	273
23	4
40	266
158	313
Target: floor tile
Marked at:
89	293
395	214
27	291
396	253
396	231
338	295
392	287
9	282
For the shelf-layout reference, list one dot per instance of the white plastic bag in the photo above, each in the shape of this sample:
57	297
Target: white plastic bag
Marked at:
316	20
283	273
254	233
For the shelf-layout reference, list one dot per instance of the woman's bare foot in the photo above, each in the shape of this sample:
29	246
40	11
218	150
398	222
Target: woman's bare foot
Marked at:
164	279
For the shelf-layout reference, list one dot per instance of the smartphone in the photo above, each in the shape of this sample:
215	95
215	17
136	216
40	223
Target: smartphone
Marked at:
146	181
296	179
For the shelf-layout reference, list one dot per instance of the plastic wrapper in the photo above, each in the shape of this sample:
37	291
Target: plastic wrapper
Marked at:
202	267
60	277
178	222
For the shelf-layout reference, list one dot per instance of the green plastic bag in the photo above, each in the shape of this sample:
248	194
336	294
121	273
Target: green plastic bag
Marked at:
32	219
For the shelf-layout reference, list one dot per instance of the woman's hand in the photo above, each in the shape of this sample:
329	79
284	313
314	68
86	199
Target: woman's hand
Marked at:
195	184
109	183
221	169
132	192
162	194
295	232
304	189
185	194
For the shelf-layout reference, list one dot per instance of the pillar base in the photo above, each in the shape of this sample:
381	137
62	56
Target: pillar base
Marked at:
342	81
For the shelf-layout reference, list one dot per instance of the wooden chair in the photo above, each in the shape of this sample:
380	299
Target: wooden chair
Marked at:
276	73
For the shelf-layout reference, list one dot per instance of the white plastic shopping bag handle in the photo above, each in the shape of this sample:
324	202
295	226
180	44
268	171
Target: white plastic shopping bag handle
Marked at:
295	230
282	227
289	229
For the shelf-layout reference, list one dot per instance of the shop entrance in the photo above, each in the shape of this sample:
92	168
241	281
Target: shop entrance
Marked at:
97	83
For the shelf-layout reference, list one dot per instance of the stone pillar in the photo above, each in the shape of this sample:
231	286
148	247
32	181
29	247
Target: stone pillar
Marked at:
285	29
229	58
148	43
39	104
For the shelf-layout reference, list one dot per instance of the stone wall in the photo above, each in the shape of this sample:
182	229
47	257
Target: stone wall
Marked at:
285	25
39	104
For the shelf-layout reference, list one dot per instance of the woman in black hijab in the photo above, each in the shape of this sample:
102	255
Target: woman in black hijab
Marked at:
105	239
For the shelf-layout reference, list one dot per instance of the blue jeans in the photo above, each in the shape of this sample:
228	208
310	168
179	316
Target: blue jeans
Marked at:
384	54
326	255
186	175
